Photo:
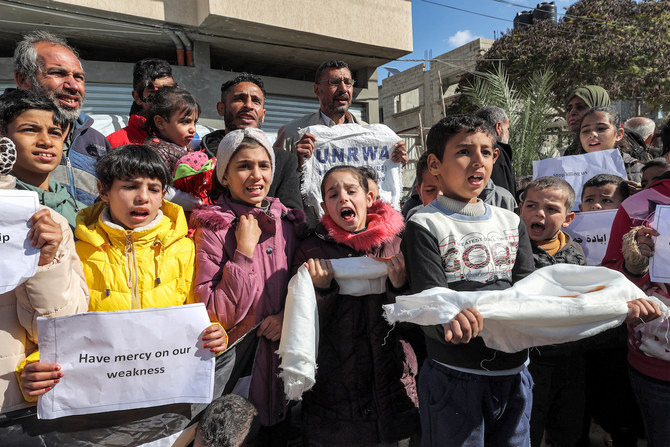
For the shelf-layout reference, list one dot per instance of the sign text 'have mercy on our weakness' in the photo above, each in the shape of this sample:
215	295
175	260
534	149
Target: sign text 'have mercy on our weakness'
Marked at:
126	359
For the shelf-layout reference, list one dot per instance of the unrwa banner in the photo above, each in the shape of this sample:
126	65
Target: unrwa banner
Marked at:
126	359
352	144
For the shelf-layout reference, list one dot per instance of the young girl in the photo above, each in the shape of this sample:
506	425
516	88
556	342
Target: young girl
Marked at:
173	113
365	391
243	247
600	130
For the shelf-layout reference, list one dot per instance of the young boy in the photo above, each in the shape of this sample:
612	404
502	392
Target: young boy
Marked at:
468	394
427	185
604	192
37	128
653	170
558	371
230	421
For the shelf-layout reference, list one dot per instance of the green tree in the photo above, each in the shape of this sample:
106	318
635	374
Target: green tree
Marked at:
528	107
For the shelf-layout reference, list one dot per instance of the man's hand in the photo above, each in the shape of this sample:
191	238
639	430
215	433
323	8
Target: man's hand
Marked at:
464	327
304	148
46	235
399	154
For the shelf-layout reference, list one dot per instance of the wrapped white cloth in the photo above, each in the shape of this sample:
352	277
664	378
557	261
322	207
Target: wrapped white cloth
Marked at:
300	331
555	304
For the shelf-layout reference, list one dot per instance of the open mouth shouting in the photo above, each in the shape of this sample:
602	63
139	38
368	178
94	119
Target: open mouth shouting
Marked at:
476	180
45	156
347	214
139	214
537	228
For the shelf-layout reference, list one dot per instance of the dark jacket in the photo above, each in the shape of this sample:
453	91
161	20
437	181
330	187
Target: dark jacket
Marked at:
76	171
365	391
503	171
286	181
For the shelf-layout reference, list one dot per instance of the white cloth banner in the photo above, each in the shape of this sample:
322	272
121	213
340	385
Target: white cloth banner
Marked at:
659	264
352	144
300	331
126	359
18	259
577	169
591	230
555	304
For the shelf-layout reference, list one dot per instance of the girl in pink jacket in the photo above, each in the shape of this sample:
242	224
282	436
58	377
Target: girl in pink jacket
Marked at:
243	247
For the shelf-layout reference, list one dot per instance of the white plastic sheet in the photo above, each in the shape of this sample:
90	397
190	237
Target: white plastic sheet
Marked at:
555	304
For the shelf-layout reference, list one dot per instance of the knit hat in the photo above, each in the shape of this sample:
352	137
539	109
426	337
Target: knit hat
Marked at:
7	155
592	95
232	141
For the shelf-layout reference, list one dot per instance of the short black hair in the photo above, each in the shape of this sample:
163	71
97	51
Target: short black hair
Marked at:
369	173
242	77
440	134
607	179
148	70
229	421
15	102
421	167
330	64
168	101
664	132
550	181
355	171
129	161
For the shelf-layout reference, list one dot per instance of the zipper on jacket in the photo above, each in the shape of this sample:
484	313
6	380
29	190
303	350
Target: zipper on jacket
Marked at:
70	176
131	262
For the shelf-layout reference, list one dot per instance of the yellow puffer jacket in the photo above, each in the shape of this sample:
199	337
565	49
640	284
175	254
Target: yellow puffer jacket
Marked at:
136	269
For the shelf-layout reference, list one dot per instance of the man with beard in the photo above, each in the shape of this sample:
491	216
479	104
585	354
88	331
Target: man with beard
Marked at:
46	64
242	105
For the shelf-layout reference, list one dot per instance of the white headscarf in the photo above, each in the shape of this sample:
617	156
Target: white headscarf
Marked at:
232	141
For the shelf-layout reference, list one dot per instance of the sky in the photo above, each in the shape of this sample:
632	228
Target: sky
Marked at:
442	29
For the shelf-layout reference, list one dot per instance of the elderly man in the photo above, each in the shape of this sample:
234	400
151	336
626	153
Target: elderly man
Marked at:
334	86
242	105
503	172
644	127
46	64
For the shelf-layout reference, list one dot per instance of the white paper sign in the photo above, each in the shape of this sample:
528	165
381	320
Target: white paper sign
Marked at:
659	264
18	259
591	230
126	359
352	144
577	169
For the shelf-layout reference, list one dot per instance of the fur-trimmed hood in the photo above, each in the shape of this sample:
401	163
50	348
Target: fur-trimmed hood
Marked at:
383	224
226	212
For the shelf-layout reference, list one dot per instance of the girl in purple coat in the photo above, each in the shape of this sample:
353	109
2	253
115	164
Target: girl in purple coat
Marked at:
243	247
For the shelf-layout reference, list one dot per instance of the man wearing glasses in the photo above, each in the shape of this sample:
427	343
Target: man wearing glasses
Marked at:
46	64
334	86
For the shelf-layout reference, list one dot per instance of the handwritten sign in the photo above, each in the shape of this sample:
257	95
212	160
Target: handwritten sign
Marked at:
126	359
591	230
659	264
577	169
352	144
18	259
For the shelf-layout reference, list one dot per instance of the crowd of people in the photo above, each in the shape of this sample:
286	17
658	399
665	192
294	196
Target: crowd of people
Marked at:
141	219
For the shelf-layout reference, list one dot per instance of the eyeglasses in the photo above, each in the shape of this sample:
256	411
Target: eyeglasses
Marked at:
336	81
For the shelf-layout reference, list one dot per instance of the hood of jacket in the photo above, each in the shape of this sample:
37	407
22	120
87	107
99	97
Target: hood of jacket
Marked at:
226	212
210	142
94	231
383	224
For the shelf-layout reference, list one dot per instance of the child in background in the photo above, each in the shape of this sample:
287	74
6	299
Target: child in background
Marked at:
365	391
603	192
229	421
558	371
469	394
653	170
35	125
426	185
372	179
601	130
173	113
243	247
57	288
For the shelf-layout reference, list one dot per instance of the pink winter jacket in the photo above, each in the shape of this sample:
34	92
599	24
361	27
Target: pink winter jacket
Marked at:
242	291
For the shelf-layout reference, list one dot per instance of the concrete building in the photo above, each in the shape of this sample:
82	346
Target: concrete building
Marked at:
210	41
417	92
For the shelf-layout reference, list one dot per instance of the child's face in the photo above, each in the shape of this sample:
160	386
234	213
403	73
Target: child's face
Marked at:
180	129
429	188
466	165
543	211
373	188
133	202
595	198
39	146
249	174
650	175
598	132
345	201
